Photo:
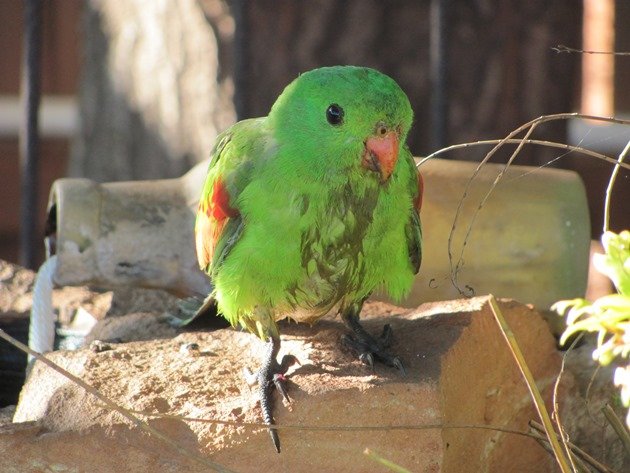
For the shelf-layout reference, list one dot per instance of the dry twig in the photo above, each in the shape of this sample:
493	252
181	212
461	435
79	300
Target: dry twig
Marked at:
576	451
561	48
611	183
558	452
618	426
556	409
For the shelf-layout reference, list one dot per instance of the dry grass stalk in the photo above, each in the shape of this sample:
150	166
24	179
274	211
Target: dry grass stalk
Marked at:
539	403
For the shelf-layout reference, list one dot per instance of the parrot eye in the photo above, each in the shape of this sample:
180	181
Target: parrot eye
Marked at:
334	114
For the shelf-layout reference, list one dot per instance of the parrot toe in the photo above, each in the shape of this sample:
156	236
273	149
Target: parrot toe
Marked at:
367	358
386	336
279	381
371	349
397	362
272	374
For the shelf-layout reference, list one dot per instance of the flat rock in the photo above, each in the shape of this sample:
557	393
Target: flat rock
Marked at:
460	374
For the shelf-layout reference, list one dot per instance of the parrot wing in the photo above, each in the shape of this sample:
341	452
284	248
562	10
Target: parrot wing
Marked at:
413	228
219	224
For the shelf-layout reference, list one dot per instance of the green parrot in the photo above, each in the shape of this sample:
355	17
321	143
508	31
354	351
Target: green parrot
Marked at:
306	211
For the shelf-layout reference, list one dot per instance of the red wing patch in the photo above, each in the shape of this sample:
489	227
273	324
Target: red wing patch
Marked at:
417	202
212	215
219	207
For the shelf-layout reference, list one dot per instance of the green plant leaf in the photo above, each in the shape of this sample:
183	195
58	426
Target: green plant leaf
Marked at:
616	262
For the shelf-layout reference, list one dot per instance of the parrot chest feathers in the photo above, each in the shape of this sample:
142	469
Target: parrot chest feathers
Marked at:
332	255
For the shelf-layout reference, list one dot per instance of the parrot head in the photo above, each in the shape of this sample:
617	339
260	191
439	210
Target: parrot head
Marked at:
344	119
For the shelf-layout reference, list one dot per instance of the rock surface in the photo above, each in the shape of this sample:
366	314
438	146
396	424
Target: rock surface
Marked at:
16	294
460	373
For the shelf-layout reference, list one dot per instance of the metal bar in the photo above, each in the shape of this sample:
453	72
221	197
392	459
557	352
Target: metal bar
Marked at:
238	9
439	72
29	139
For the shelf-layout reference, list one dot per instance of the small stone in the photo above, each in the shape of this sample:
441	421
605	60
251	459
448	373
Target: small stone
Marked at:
189	348
99	346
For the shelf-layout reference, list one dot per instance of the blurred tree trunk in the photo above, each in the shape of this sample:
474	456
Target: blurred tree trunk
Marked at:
158	75
156	87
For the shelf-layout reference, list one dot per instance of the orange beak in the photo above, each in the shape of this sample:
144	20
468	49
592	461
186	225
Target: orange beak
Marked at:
381	154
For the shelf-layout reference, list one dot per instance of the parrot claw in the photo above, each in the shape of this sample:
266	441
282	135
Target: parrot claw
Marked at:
270	375
369	348
368	359
279	381
397	362
386	336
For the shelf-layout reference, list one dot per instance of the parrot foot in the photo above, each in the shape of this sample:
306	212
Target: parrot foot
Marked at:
271	374
371	349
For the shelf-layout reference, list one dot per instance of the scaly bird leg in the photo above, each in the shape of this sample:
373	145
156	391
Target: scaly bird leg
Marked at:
368	348
272	374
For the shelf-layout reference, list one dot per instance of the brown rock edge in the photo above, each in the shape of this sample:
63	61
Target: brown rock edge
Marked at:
460	372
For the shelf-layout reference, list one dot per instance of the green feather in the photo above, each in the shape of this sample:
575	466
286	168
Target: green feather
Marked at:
315	229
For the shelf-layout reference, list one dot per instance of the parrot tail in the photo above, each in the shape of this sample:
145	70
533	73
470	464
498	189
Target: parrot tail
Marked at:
190	309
